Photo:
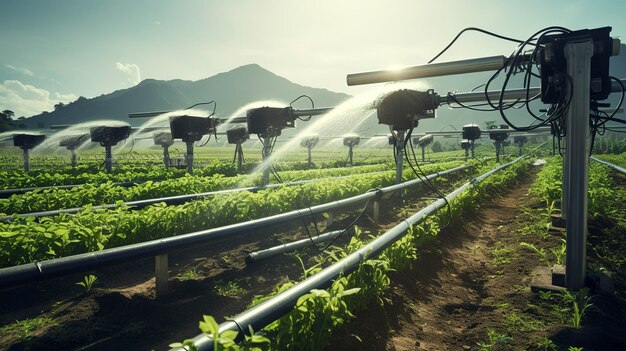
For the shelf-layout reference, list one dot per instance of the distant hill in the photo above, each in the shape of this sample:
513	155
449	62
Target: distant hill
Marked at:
230	89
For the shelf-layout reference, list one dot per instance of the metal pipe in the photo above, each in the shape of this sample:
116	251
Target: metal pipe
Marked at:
309	158
26	160
616	168
295	245
146	114
108	159
189	157
37	271
399	156
578	56
166	155
266	153
312	111
480	64
73	158
350	155
423	153
266	312
9	192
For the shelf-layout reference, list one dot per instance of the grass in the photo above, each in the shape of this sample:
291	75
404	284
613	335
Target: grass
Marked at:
191	274
25	328
228	289
502	255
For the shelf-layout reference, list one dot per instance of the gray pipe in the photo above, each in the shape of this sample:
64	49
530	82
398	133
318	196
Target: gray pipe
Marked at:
268	311
295	245
616	168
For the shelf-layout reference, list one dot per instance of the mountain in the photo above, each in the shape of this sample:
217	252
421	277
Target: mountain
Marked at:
230	89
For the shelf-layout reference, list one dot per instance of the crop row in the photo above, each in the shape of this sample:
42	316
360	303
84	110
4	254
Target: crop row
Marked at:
26	240
108	193
617	159
320	312
605	197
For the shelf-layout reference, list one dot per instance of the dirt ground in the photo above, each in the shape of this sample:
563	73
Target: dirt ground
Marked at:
474	278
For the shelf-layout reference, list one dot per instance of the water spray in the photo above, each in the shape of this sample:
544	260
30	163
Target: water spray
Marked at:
238	136
309	142
351	142
109	136
72	143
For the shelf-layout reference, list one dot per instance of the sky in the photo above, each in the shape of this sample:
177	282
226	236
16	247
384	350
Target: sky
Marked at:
56	51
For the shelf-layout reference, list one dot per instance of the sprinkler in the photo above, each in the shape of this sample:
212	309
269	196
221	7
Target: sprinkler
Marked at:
238	136
72	143
309	143
401	110
422	142
351	142
499	135
191	129
471	133
27	141
268	123
520	140
108	137
164	140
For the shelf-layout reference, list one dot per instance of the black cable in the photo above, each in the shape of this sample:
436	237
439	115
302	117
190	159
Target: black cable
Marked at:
312	106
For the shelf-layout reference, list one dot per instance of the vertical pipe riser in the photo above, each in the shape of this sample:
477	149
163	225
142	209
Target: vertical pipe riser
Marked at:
108	160
266	156
166	156
578	56
26	161
189	157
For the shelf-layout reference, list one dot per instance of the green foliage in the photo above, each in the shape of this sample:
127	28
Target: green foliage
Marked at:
493	338
579	302
87	282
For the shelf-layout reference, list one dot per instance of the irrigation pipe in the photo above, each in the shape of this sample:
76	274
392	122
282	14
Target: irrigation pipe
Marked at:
616	168
260	316
33	272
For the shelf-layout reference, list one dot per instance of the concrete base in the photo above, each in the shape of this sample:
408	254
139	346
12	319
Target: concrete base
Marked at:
553	279
542	280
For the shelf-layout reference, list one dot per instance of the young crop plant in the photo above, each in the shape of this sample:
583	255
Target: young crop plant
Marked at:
493	338
87	282
579	302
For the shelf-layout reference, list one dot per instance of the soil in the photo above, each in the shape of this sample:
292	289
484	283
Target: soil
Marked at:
476	277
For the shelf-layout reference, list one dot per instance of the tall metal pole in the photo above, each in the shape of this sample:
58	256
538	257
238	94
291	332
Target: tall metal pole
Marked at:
26	160
472	146
553	145
350	155
189	157
423	153
73	153
108	159
239	155
466	153
309	158
578	56
520	151
266	152
399	156
497	144
166	155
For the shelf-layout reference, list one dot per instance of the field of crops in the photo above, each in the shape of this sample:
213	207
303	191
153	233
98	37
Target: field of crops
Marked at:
87	255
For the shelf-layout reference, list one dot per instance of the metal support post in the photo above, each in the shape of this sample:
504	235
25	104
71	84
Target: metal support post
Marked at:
399	159
266	152
26	161
161	274
578	56
189	157
553	145
520	151
376	211
423	153
466	153
73	153
166	155
472	147
239	155
330	219
108	159
309	159
497	144
350	155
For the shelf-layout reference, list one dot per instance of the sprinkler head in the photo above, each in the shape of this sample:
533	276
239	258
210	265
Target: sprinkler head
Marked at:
27	141
73	141
425	140
191	128
237	135
351	141
402	109
109	136
309	141
163	139
269	122
471	132
499	133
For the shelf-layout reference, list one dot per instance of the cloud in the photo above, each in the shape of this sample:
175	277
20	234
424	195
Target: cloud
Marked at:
131	70
27	100
21	70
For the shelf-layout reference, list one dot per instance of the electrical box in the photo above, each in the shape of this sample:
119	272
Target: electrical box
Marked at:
191	128
269	122
109	136
351	141
471	132
27	141
237	135
402	109
554	81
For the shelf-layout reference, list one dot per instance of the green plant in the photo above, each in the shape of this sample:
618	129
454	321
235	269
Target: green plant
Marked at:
574	348
579	302
25	328
224	341
501	255
190	274
543	255
87	282
228	289
494	338
546	344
